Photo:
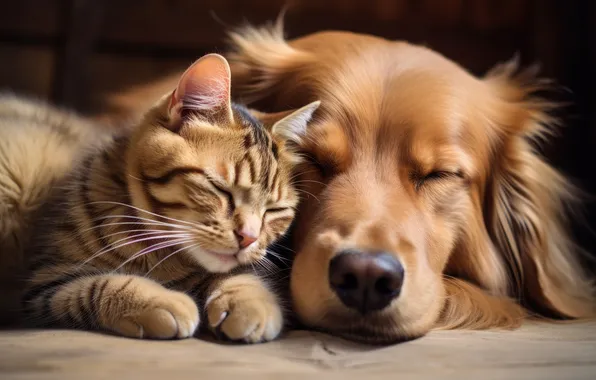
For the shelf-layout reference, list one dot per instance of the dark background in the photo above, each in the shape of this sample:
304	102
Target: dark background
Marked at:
76	52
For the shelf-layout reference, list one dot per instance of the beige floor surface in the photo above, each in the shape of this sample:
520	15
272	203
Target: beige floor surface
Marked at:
536	351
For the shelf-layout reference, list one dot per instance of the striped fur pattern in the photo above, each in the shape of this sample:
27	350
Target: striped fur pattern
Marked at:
37	146
145	234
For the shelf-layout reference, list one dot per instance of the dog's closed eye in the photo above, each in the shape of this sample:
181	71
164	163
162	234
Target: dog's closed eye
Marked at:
420	180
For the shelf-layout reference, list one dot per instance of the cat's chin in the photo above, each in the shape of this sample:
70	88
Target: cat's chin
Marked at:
213	261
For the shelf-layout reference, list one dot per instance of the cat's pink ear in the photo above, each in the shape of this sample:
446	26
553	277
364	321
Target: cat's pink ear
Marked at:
204	88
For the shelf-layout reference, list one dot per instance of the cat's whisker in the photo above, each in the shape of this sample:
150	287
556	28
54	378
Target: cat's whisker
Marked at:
138	230
145	211
170	255
302	173
144	232
281	247
269	267
136	178
112	248
308	193
309	181
279	257
153	248
155	225
150	221
159	233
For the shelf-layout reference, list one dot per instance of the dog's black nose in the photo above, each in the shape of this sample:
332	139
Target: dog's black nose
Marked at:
366	281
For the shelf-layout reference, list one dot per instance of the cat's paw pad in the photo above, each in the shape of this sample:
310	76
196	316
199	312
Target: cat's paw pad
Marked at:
169	315
244	311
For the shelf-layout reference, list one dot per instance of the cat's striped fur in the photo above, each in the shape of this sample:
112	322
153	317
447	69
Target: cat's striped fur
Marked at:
147	232
38	144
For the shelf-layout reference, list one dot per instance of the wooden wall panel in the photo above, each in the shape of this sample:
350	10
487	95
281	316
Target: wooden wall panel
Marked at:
154	33
31	18
111	72
27	70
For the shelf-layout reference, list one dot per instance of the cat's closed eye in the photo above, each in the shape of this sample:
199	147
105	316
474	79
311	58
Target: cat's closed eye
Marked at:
225	193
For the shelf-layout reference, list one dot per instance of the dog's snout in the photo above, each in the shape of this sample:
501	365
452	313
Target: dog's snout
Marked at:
366	281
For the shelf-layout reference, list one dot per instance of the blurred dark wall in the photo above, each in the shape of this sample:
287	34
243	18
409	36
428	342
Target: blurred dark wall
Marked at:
74	52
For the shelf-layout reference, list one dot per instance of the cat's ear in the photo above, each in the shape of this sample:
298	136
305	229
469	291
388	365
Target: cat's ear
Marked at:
292	126
204	89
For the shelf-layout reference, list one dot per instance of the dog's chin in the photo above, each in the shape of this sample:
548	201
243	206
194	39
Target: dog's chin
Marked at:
374	329
365	335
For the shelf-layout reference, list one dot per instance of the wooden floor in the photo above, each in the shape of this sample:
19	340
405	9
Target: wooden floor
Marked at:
537	351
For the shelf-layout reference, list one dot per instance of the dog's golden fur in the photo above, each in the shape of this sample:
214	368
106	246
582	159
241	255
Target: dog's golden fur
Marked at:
479	240
413	155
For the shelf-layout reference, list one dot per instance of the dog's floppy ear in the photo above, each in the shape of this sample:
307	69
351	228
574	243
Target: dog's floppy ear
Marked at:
526	201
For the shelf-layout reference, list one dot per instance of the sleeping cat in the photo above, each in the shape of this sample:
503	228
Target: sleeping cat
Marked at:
164	222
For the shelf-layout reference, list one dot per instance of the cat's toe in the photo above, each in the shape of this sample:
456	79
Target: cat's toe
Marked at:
245	314
171	316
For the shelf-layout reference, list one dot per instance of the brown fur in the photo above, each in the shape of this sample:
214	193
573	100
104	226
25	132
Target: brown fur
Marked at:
483	239
394	113
145	230
30	132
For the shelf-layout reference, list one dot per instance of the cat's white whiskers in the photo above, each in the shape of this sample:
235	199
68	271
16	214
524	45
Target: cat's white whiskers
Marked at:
145	232
159	233
131	223
308	193
111	248
153	248
144	220
170	255
278	245
269	267
279	257
145	211
302	173
309	181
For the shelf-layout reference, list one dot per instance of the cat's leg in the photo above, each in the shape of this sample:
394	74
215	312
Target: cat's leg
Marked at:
132	306
242	307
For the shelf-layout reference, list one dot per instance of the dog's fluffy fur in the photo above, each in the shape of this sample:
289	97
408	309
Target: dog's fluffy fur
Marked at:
413	155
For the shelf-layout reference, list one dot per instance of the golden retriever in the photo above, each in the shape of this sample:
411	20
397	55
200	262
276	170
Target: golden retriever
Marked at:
425	203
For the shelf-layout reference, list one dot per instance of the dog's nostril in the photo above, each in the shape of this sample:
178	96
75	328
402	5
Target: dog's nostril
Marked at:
383	286
365	281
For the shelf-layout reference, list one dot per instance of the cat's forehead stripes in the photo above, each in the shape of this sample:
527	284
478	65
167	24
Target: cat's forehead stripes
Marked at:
256	131
259	164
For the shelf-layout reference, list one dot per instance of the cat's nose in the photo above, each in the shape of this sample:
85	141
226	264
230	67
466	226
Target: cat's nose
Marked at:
245	237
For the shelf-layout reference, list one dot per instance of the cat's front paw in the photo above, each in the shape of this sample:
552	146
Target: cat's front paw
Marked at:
243	309
159	314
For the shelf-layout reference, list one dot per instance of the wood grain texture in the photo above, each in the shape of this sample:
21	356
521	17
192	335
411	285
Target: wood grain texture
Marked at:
536	351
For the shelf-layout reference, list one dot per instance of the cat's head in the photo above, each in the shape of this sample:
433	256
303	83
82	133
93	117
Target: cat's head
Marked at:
218	174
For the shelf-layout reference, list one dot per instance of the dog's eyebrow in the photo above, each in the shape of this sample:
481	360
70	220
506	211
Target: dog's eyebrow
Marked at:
449	158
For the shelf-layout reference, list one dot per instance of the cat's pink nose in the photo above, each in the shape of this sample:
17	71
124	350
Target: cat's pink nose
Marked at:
245	237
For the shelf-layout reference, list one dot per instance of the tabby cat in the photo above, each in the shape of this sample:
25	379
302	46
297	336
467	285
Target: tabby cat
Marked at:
163	224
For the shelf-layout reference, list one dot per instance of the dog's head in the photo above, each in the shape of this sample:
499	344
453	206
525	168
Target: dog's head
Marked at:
424	202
